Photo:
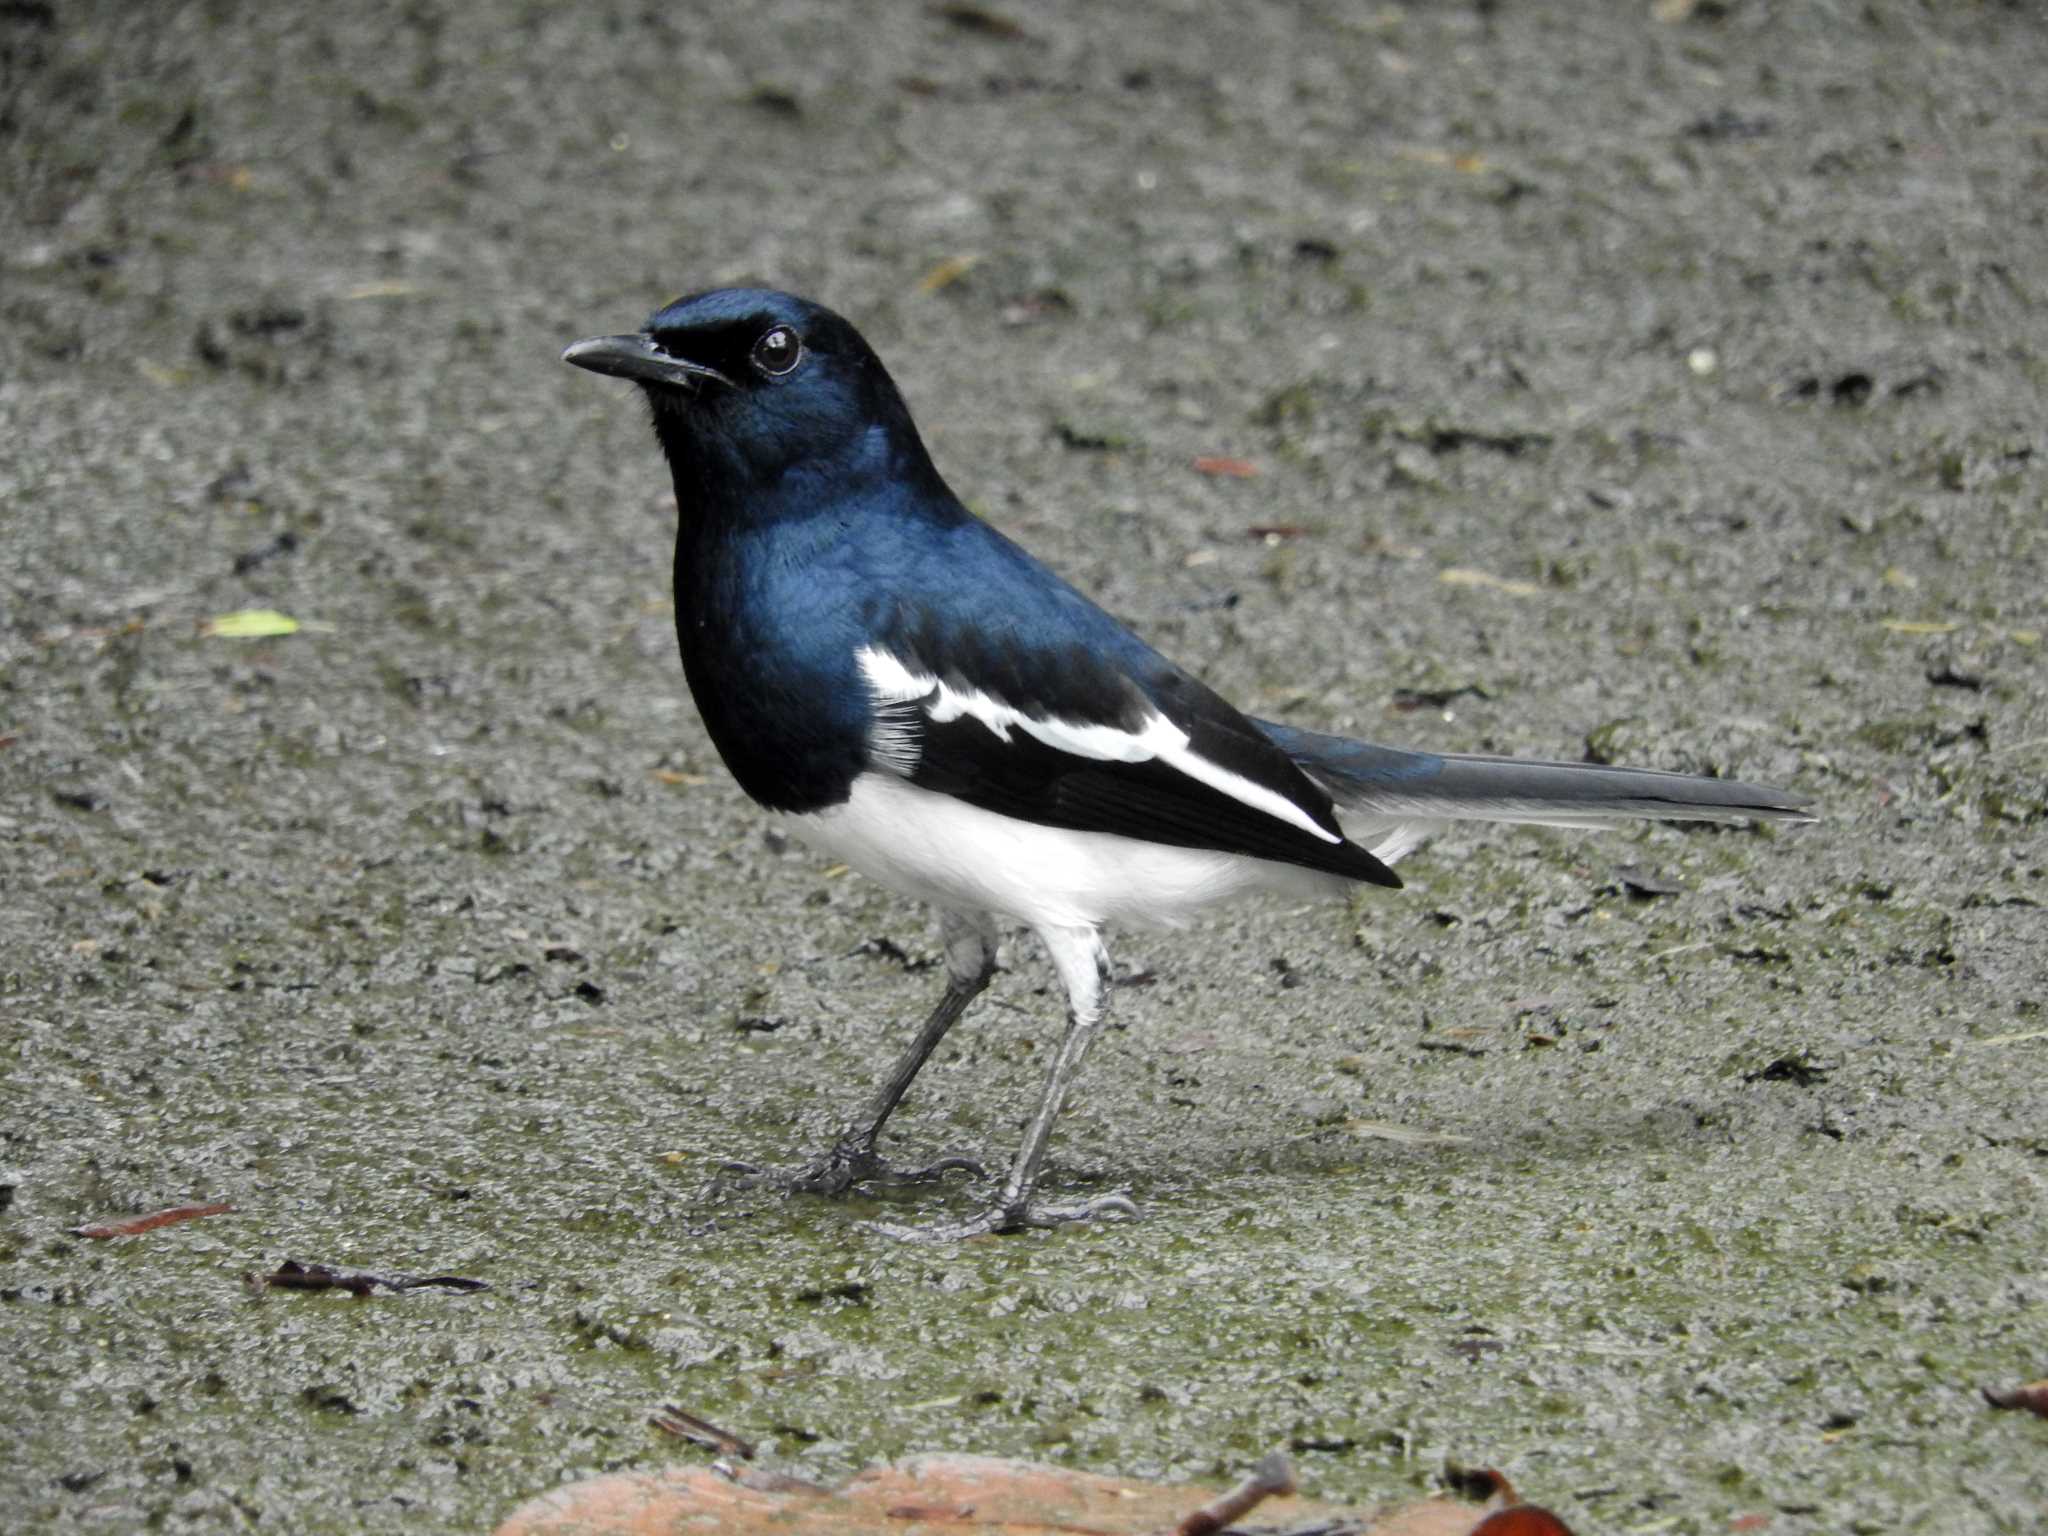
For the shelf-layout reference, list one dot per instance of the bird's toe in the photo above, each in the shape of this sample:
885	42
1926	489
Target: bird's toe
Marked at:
1013	1216
839	1170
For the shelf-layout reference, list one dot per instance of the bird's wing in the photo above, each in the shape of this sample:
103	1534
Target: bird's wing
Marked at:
1097	739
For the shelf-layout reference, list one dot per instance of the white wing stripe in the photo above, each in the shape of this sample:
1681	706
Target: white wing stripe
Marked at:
895	741
1238	787
894	685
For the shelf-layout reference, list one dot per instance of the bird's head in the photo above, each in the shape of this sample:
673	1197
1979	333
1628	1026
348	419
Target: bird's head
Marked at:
748	384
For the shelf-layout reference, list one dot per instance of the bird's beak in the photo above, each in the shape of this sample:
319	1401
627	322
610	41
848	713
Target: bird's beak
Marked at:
639	359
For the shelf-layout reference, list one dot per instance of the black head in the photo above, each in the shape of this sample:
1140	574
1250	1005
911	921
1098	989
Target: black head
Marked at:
747	384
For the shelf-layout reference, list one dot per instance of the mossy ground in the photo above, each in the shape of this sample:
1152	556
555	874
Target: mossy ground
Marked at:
1714	346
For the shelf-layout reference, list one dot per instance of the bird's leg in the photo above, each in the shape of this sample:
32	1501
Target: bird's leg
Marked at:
969	941
1083	964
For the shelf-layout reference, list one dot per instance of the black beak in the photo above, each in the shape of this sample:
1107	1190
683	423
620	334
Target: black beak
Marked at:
638	358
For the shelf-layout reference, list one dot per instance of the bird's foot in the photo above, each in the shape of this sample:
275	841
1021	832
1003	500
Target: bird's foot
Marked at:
1012	1216
844	1166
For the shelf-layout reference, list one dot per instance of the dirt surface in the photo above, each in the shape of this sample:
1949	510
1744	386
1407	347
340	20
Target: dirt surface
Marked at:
1662	380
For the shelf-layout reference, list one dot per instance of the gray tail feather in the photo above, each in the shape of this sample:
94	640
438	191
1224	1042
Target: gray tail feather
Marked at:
1392	798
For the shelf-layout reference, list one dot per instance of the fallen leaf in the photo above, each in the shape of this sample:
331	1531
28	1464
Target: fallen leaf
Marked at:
1234	469
951	270
2033	1397
1521	1520
249	624
135	1226
987	1495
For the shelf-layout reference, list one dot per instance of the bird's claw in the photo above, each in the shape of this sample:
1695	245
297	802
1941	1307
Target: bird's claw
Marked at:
843	1167
1012	1216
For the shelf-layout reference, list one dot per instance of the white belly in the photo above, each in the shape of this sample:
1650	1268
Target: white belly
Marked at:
954	855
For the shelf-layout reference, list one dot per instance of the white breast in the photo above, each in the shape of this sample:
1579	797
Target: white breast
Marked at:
942	850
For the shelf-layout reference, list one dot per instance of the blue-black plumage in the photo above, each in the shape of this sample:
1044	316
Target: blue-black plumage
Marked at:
924	698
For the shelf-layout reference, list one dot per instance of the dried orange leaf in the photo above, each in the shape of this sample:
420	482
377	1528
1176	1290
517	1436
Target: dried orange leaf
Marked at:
1234	469
1521	1520
978	1495
135	1226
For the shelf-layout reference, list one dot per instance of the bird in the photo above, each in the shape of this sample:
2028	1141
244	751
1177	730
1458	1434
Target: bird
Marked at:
915	695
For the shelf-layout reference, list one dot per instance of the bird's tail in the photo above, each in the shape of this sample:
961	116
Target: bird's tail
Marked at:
1390	800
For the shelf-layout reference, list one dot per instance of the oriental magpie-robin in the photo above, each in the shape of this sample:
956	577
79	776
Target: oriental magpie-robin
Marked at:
921	698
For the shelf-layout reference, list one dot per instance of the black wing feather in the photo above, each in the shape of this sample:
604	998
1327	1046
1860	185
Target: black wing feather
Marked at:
1153	801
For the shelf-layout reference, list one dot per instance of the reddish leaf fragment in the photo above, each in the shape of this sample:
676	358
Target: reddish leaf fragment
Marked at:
1230	469
135	1226
1749	1522
671	1420
1521	1520
2033	1397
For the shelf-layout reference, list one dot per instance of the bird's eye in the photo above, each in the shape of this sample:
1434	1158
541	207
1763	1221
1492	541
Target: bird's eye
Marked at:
778	351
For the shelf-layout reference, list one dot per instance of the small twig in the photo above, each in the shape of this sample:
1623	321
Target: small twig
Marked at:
1682	949
1272	1477
671	1420
291	1275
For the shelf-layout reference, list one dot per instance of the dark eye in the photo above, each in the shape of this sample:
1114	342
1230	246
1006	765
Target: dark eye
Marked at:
778	351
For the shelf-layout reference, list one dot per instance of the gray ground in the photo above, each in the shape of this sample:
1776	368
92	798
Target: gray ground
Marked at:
435	939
